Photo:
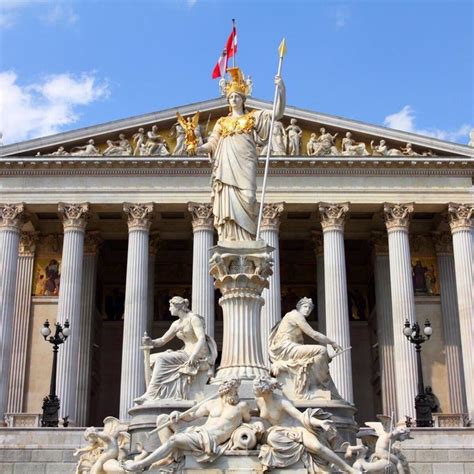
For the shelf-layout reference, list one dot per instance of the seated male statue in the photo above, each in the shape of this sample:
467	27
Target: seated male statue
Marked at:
307	363
207	441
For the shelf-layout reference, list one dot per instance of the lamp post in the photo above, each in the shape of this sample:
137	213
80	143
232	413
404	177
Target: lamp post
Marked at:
422	402
51	402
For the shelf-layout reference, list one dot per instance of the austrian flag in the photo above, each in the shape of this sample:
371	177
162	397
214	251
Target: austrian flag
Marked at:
229	51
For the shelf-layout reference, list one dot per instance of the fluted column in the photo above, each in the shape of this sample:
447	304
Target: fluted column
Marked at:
153	248
12	218
132	382
271	311
383	305
203	285
21	319
318	242
403	304
460	221
89	279
241	270
74	218
449	309
337	307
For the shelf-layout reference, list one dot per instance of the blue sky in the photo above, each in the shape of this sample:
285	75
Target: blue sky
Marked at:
70	64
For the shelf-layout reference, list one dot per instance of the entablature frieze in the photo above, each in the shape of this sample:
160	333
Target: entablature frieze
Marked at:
295	165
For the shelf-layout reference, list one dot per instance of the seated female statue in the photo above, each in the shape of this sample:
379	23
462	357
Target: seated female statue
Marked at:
175	371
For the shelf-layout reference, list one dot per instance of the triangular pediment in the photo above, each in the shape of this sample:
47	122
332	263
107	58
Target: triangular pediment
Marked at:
310	123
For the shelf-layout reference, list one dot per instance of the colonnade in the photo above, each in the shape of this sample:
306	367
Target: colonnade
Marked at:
393	286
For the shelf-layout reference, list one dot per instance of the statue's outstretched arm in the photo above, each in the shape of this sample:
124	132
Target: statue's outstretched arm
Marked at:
309	331
168	335
291	410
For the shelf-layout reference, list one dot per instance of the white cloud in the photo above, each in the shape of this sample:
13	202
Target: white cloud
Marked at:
60	14
405	120
53	12
342	16
45	107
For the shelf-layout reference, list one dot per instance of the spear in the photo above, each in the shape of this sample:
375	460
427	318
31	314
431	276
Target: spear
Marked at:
281	53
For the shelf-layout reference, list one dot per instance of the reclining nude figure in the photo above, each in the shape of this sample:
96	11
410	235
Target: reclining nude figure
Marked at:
307	363
294	436
207	441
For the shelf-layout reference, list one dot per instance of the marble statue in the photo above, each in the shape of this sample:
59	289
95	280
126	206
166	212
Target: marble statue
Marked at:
139	140
249	83
471	138
206	441
86	150
190	126
308	364
178	131
294	138
233	147
382	149
106	448
408	150
175	371
294	436
312	145
154	145
120	147
325	144
352	148
382	455
278	142
59	152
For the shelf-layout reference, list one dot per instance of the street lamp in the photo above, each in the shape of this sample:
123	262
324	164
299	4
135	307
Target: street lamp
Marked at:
422	402
51	402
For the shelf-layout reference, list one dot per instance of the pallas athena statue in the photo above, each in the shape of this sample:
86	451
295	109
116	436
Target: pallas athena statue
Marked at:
233	147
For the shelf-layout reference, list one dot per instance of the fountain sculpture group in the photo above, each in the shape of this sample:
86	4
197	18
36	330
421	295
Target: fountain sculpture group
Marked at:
284	414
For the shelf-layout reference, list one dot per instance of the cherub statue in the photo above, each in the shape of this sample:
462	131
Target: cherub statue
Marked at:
386	454
352	148
86	150
307	364
189	125
294	138
106	449
222	415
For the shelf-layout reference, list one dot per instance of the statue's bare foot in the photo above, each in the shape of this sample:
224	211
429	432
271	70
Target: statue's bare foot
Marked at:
140	400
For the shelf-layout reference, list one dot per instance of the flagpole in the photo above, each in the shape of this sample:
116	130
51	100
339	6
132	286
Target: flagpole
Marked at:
281	52
233	42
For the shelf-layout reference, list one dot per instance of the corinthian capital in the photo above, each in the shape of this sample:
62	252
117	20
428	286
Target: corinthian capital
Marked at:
318	242
202	215
27	245
139	216
379	242
443	243
75	216
460	216
333	216
397	216
92	242
12	216
271	215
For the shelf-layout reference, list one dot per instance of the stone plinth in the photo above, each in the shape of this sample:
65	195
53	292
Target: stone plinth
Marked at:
241	271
